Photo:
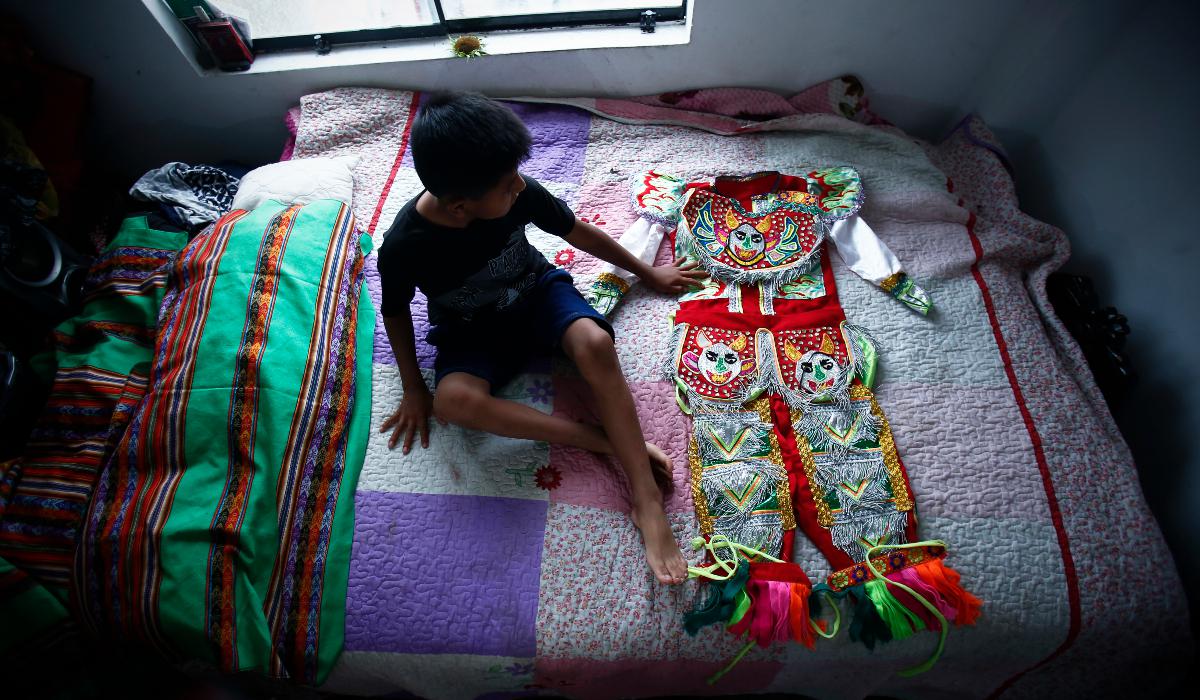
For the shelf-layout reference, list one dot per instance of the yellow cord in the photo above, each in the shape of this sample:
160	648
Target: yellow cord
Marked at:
837	619
730	565
712	680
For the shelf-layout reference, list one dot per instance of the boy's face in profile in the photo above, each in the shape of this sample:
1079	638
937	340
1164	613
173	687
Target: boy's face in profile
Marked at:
497	201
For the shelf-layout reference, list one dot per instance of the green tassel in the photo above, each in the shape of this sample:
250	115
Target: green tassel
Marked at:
741	605
816	606
705	614
899	619
867	627
721	604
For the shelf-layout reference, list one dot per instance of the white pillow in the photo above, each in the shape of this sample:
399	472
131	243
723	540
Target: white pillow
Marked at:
298	181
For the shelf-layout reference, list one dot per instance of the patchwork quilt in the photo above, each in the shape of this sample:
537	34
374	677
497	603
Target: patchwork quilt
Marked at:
485	566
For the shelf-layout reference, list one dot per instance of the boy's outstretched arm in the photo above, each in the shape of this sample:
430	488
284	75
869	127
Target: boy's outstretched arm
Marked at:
668	279
416	406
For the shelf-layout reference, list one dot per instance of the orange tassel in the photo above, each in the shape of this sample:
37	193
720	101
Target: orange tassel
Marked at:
798	616
946	581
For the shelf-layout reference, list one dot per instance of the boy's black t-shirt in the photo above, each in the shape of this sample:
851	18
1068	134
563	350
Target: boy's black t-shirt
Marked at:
469	274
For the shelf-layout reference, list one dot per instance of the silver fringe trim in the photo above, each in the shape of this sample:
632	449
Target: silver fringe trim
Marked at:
704	404
674	343
814	421
853	469
739	523
846	534
768	377
727	426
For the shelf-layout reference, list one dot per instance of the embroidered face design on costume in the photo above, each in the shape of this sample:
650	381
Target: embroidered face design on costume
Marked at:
718	363
746	244
761	243
817	372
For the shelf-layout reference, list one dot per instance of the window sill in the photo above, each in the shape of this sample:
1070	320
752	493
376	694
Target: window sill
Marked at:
437	48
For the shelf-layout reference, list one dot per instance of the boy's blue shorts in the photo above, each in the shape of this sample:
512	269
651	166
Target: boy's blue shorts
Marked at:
499	349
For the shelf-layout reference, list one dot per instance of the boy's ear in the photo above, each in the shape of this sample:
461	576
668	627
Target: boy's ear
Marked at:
455	205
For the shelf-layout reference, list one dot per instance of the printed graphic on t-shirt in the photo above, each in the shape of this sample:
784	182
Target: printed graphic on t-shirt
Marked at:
499	284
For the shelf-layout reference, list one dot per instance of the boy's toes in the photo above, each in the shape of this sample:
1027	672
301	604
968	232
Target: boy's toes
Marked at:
665	572
677	568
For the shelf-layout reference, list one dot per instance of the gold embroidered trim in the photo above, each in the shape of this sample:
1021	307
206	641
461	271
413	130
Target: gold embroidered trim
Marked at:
890	283
784	491
887	445
891	460
614	280
698	500
824	515
891	562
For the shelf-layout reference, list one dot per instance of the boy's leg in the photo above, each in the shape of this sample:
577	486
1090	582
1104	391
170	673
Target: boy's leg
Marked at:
592	349
466	400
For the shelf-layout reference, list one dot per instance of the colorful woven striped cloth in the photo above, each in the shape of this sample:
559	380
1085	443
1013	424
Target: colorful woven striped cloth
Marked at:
44	495
220	517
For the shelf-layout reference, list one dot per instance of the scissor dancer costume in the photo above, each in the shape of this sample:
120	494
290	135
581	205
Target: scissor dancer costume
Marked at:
786	432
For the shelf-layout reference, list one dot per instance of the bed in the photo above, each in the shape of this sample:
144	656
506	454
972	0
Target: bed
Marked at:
489	567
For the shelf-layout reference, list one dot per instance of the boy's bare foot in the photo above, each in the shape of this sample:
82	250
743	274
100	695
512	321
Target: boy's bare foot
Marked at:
660	467
662	552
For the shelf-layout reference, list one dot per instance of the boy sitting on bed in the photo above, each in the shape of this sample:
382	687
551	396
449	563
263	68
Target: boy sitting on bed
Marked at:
494	301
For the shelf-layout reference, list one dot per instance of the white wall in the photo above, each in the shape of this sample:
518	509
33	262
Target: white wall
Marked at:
917	58
1098	103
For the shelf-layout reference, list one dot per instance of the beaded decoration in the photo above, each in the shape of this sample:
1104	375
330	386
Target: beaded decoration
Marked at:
893	561
740	248
716	369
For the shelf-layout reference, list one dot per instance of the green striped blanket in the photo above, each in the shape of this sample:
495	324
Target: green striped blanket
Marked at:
217	524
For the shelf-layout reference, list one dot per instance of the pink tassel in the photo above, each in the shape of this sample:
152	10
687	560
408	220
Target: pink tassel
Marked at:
767	619
781	598
913	580
762	627
778	605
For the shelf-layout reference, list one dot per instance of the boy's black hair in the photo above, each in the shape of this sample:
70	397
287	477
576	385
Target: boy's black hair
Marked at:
463	143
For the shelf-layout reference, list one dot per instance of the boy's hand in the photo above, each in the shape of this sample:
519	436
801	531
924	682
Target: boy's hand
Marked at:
675	278
410	418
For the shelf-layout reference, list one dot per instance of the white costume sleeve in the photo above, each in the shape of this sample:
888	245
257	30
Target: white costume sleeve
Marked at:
642	239
871	259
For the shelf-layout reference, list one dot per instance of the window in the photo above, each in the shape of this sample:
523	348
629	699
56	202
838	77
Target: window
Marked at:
292	24
272	19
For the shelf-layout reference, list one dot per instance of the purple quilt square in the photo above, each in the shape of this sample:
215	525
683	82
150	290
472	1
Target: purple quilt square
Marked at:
560	137
438	574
